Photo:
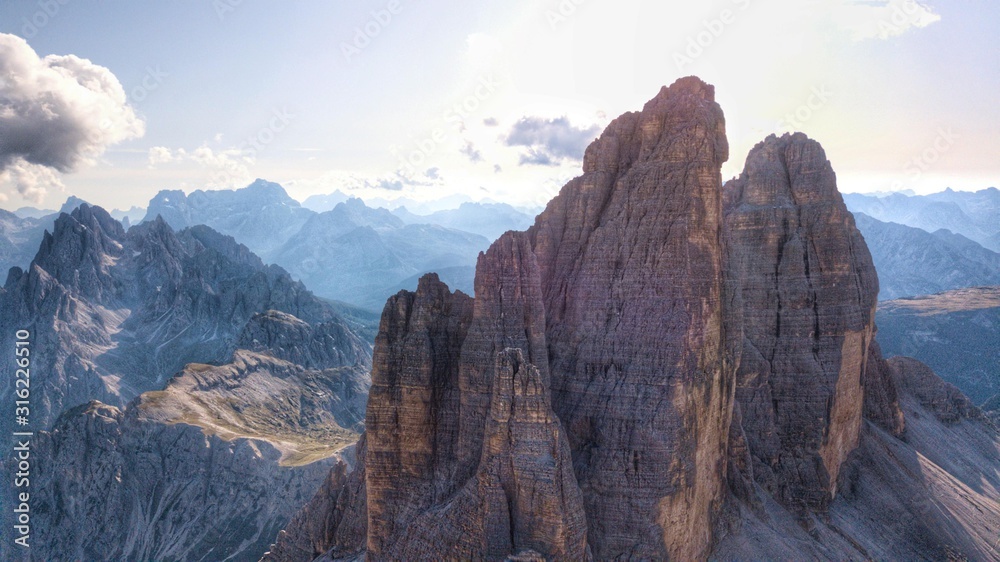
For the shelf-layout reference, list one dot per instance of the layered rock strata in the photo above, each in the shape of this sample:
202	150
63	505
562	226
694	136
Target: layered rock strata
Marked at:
809	291
591	402
582	402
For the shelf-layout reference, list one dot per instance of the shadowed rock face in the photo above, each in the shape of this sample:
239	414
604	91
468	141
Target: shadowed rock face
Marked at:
809	291
465	457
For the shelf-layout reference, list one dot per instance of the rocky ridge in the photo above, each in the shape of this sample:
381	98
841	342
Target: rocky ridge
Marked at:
486	219
113	314
114	486
351	253
187	400
19	237
913	262
955	333
208	468
971	214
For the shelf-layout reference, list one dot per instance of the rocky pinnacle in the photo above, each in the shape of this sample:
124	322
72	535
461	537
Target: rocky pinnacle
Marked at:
809	291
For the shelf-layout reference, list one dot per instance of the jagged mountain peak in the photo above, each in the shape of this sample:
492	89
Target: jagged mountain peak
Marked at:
706	368
573	297
72	202
201	394
82	247
142	303
681	124
790	170
355	211
320	346
271	191
809	293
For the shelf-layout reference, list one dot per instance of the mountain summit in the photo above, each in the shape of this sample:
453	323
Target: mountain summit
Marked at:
646	370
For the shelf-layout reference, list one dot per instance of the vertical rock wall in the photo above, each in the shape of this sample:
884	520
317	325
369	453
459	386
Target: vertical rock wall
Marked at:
809	291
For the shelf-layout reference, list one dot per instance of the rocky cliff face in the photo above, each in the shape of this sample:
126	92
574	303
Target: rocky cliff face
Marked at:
590	402
630	258
849	444
932	495
322	346
809	291
542	410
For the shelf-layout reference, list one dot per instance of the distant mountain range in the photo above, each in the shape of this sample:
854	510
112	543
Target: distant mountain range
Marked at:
971	214
911	261
22	230
115	313
347	250
260	215
352	252
486	219
19	238
186	398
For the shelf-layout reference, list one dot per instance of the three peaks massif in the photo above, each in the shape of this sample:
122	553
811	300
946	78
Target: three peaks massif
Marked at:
659	367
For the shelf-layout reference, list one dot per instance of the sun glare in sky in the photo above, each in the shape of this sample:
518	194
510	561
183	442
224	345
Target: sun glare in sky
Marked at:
429	100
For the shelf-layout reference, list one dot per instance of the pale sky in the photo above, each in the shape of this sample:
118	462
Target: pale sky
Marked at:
113	101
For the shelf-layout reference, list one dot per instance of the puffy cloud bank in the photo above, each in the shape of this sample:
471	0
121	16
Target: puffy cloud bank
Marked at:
56	114
548	141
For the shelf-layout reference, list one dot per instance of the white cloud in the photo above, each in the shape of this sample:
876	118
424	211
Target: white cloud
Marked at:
228	167
32	181
550	141
880	19
160	155
57	113
482	50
